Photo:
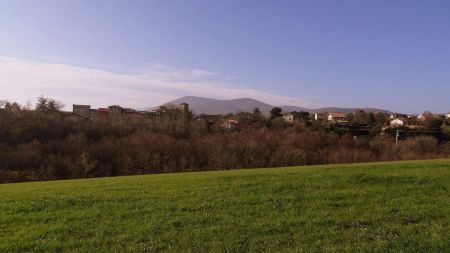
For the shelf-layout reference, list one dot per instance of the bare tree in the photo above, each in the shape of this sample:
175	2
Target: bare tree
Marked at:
48	105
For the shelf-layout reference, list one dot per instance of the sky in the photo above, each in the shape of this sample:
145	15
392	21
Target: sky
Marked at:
387	54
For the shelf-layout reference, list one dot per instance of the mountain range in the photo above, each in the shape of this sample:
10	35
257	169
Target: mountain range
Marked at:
200	105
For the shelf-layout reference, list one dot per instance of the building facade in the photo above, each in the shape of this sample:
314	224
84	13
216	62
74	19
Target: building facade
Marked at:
320	116
396	122
336	116
82	110
116	113
289	117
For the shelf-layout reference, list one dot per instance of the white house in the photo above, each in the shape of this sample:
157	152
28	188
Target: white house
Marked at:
288	117
421	117
336	116
397	122
447	116
425	115
232	123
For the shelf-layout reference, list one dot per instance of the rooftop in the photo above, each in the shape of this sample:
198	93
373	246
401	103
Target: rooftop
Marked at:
337	114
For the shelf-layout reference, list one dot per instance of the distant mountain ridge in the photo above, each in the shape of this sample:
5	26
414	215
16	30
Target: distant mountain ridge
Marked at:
201	105
348	109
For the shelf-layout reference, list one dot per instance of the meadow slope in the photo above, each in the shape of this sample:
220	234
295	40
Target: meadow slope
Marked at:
377	207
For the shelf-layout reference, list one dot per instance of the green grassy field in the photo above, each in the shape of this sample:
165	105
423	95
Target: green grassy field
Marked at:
378	207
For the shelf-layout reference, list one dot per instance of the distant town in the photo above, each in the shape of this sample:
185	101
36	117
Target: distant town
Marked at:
116	112
357	120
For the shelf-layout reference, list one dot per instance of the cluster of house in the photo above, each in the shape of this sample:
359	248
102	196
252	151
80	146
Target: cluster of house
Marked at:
116	113
413	120
394	120
336	117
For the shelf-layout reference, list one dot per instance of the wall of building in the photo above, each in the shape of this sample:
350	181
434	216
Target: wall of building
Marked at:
115	113
83	110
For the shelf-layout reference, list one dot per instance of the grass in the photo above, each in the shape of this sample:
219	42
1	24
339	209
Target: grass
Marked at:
378	207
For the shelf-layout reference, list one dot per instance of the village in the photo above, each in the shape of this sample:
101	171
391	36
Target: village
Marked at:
358	122
117	113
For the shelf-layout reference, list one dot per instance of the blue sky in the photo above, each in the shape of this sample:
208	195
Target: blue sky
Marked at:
386	54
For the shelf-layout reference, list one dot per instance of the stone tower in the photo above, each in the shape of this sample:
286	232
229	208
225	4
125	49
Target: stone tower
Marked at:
115	113
184	108
82	110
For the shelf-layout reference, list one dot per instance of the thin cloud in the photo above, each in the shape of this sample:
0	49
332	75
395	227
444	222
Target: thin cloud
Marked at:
21	80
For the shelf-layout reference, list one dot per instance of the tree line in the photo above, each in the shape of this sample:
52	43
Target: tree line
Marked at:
40	144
